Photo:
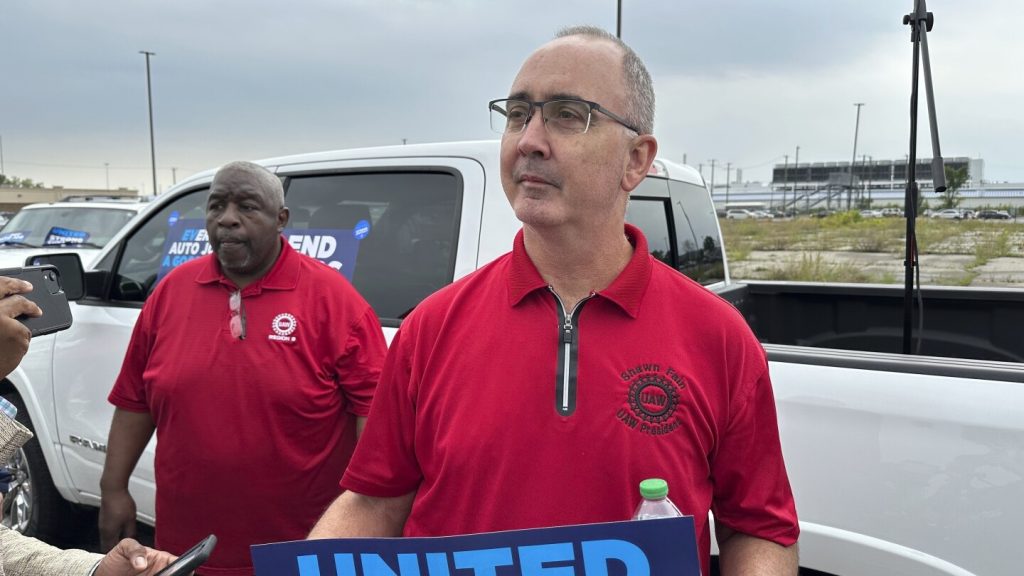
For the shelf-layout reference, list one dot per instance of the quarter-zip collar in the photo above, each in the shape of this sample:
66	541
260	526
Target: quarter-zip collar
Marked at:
626	291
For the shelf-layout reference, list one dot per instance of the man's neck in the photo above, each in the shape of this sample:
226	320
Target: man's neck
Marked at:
576	265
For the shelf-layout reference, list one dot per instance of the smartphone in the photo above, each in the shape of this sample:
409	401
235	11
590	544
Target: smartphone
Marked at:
48	294
192	559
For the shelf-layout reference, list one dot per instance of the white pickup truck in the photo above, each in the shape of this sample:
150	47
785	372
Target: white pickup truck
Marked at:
907	465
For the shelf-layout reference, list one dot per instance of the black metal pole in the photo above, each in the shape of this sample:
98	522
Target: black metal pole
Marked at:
920	22
152	141
618	21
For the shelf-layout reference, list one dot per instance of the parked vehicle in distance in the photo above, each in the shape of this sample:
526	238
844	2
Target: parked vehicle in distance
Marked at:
967	214
740	214
763	215
871	214
948	214
994	215
83	225
892	212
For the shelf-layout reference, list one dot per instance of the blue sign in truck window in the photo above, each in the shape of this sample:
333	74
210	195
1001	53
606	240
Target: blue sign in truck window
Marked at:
646	548
188	239
14	237
58	236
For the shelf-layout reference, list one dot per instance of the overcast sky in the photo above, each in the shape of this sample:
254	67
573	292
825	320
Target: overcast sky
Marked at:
743	82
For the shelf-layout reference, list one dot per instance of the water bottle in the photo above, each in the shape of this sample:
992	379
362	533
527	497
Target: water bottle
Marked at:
655	503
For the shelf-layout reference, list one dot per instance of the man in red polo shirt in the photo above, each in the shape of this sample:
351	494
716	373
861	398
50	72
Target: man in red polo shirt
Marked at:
543	388
255	365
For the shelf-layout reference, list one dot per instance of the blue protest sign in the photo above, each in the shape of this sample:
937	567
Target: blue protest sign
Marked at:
14	237
660	547
58	236
188	239
336	248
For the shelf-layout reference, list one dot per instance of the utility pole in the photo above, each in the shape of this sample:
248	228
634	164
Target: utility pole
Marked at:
728	173
106	168
713	177
149	95
856	129
796	166
2	154
785	180
174	175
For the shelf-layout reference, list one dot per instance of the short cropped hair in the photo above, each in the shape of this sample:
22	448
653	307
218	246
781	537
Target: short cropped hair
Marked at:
638	81
269	183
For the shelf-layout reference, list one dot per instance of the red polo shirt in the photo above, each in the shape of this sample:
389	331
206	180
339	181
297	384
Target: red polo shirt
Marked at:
252	434
479	412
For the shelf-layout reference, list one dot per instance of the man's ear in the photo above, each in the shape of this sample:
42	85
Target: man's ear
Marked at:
642	151
282	218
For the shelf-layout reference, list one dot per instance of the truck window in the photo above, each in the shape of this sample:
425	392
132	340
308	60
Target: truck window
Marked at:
395	231
145	252
698	242
651	217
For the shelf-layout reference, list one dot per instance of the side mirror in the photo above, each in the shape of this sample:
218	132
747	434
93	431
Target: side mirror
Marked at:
72	276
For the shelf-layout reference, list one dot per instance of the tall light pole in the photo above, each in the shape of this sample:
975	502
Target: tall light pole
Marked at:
856	128
796	166
149	95
785	180
106	167
728	175
713	178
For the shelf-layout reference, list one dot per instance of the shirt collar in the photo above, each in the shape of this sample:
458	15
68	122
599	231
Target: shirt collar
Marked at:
283	275
626	291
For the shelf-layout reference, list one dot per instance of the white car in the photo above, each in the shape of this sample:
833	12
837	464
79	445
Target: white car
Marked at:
948	214
82	226
739	214
871	214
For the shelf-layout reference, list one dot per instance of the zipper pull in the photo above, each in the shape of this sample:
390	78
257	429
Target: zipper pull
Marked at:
567	332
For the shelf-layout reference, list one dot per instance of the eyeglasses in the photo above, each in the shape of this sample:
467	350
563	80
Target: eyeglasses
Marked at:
237	322
563	116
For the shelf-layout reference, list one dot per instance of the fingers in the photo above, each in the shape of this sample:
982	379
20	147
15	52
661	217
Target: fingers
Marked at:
10	286
16	305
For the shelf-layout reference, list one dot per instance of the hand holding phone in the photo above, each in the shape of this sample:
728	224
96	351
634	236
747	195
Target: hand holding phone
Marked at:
14	336
46	293
192	559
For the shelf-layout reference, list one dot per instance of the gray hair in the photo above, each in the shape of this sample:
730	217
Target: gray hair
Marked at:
269	183
638	81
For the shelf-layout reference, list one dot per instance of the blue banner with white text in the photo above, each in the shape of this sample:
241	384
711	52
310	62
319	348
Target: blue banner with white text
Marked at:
659	547
188	239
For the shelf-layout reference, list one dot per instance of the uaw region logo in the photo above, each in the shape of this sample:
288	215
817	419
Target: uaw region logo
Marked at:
652	399
283	325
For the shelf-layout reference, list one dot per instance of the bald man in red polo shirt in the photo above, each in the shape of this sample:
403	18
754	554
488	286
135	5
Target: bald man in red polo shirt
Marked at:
256	366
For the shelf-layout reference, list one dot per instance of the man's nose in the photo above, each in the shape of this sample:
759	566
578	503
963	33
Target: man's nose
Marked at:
533	139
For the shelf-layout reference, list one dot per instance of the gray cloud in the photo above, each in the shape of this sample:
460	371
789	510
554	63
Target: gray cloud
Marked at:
741	81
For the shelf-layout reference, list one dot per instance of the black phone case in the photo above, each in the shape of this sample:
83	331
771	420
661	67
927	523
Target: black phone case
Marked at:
48	294
192	559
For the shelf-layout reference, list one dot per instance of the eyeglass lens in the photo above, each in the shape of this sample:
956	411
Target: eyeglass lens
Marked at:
564	116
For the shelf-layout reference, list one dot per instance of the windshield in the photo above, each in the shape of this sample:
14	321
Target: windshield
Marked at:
66	226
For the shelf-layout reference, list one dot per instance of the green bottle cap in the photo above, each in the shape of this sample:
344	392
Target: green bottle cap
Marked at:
654	489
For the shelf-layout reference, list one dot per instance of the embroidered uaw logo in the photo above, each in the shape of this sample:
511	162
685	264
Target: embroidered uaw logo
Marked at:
283	326
652	398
